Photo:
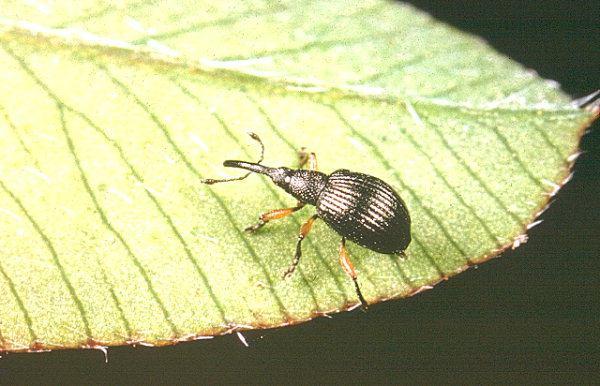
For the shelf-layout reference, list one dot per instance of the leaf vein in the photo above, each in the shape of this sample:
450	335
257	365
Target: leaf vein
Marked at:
61	106
452	189
418	59
103	272
194	171
103	12
199	26
15	131
15	294
162	211
462	84
108	224
515	155
471	172
324	44
55	259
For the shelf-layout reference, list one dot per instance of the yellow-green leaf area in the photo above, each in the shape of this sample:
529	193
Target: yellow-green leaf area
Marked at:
112	114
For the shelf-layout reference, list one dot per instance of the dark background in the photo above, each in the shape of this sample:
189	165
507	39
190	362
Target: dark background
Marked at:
532	315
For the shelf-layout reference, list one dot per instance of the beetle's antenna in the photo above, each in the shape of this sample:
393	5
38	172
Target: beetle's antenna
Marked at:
254	136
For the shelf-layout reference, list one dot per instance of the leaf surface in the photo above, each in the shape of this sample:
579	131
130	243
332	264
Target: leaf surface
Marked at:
110	116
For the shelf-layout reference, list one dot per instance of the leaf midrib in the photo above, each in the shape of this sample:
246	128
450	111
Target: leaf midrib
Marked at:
67	40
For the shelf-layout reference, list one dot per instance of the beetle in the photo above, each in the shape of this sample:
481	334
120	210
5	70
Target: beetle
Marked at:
359	207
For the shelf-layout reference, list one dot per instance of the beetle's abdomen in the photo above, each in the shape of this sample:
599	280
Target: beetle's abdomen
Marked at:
366	210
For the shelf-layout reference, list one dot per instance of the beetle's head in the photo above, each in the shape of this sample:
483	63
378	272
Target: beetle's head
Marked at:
282	177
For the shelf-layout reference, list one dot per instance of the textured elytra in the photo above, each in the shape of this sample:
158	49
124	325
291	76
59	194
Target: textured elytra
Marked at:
366	210
107	235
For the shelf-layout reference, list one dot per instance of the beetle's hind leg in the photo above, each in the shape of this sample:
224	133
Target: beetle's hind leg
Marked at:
349	269
273	215
304	229
401	255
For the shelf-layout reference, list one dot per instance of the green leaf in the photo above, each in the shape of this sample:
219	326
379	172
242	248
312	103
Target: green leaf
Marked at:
110	116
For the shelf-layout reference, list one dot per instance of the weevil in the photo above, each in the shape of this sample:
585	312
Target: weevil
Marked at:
359	207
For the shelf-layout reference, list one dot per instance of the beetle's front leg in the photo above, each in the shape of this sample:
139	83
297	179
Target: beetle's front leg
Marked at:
273	215
307	158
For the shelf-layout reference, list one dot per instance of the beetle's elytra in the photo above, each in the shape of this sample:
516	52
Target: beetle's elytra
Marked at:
366	210
358	206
